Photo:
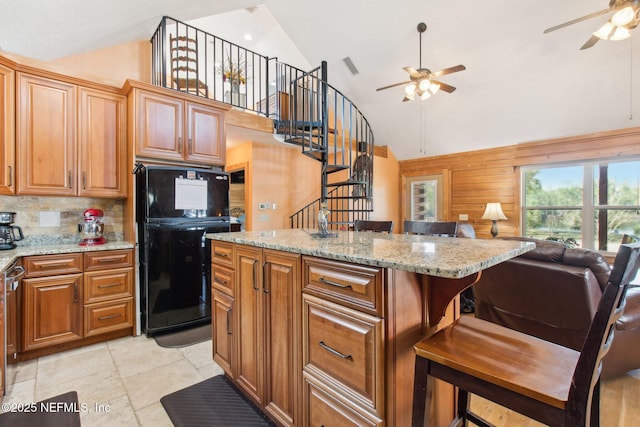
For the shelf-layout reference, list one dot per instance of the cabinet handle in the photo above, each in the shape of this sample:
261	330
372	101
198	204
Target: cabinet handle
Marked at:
222	282
111	316
75	293
265	277
189	145
112	259
336	352
84	180
53	264
337	285
220	254
109	285
255	275
179	144
229	331
70	186
10	176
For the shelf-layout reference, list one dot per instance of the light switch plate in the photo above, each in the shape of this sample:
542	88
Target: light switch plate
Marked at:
463	217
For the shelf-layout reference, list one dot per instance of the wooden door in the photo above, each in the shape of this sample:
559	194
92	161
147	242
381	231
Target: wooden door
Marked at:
52	310
102	144
205	134
7	131
249	321
222	324
46	136
282	292
159	126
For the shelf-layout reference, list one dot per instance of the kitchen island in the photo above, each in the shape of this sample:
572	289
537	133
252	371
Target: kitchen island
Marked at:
320	330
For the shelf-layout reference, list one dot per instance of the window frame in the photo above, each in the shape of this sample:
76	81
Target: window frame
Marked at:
589	205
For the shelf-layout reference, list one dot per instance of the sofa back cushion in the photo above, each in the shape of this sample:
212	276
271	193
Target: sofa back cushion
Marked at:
546	250
592	260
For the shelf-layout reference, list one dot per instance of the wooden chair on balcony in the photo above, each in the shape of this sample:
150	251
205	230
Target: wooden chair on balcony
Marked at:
550	383
184	66
437	228
377	226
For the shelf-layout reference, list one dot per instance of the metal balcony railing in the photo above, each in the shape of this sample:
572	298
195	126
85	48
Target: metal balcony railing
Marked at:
307	111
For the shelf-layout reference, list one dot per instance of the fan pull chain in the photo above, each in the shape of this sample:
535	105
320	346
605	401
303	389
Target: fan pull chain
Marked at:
630	79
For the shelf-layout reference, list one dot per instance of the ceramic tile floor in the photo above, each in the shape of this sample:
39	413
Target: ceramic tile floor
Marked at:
128	375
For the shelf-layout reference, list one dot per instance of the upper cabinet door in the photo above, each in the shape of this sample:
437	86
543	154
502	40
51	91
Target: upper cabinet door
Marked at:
46	137
102	144
205	134
7	131
159	126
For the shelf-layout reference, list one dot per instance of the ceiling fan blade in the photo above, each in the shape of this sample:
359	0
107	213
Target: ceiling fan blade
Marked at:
393	85
413	72
575	21
443	86
449	70
593	40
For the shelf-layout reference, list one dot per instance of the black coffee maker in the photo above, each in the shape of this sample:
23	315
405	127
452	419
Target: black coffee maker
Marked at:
8	235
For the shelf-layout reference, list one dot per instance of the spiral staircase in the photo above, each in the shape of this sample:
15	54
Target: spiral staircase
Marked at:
306	111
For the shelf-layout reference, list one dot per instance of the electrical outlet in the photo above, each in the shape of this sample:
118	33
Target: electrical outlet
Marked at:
463	217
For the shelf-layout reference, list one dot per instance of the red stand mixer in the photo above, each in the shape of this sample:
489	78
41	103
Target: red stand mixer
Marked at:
92	228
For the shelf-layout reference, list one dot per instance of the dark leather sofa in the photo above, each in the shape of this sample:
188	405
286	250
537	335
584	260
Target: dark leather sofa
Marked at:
552	292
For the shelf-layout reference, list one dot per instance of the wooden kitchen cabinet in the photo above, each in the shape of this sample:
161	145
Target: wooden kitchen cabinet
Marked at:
7	130
222	312
264	317
52	310
76	298
170	126
222	324
102	153
70	139
46	136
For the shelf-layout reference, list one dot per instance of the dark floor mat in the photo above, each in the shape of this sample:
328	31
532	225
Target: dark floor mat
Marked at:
59	411
184	337
213	403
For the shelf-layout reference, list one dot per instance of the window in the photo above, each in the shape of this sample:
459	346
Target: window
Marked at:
589	204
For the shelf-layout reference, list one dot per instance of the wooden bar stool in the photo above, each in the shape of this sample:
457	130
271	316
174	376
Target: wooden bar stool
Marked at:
555	385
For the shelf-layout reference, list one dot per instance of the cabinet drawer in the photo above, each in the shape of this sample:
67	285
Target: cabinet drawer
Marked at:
222	253
108	285
53	265
222	279
107	317
355	286
344	348
102	260
328	409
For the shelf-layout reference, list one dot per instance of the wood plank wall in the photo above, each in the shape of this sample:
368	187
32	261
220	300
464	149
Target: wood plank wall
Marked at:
493	175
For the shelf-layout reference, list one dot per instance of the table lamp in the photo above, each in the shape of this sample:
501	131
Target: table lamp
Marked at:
493	211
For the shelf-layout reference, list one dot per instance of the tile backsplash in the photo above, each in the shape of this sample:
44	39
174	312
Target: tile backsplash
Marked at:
35	226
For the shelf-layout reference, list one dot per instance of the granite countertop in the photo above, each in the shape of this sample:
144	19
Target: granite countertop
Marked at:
7	257
437	256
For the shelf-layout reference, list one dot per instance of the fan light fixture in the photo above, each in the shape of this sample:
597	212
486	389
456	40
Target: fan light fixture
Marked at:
422	81
624	18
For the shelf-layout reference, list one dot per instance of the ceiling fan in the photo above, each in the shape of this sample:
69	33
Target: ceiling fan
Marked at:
624	18
422	81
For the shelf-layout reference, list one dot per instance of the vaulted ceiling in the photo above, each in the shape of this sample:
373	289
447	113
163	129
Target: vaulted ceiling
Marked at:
520	84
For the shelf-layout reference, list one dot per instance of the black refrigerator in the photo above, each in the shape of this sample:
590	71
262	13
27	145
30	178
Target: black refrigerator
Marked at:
175	208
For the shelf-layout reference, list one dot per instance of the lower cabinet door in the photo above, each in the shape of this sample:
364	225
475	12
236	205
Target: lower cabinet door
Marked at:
222	324
327	409
52	310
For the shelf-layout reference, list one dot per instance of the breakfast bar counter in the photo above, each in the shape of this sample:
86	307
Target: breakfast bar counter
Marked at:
320	329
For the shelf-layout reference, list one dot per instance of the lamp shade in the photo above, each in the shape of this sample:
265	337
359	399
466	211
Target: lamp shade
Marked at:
493	212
